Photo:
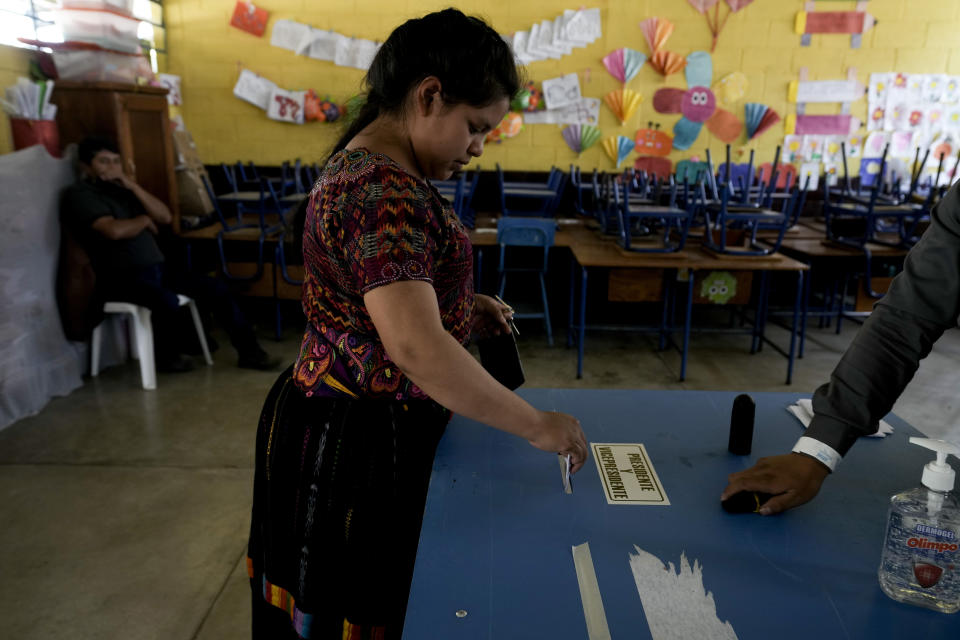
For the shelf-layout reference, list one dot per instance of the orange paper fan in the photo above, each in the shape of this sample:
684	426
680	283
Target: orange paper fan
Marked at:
656	31
667	62
623	102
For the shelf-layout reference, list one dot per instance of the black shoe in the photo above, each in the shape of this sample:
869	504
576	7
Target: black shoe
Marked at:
258	359
179	364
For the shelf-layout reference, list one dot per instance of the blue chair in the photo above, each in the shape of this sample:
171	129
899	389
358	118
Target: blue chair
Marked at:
723	218
672	221
546	195
527	232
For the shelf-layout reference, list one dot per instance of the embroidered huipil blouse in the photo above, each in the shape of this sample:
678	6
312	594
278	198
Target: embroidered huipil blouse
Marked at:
370	223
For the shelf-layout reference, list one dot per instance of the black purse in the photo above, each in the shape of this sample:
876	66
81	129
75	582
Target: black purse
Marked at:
500	357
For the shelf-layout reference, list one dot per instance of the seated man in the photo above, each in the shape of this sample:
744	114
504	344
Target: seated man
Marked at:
116	221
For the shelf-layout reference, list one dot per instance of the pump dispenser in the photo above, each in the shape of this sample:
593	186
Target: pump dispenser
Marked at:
920	563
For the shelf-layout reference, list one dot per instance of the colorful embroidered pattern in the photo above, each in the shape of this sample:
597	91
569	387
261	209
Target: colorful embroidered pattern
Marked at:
281	598
370	223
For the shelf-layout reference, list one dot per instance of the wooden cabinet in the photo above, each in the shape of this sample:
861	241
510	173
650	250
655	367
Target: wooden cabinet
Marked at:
136	117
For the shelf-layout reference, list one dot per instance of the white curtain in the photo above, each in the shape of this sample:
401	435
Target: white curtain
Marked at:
36	360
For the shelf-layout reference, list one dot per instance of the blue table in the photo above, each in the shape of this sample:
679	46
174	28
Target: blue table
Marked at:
497	530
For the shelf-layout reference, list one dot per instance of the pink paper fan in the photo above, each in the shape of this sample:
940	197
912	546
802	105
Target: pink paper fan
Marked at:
702	5
736	5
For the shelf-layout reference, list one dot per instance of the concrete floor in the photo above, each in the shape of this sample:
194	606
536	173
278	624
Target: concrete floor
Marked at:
125	513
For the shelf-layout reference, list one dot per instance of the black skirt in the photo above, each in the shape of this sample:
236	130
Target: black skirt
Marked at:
339	490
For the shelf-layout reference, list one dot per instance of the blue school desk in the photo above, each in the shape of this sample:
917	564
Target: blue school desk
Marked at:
498	531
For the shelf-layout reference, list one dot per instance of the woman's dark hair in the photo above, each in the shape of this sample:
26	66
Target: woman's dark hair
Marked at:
472	61
90	146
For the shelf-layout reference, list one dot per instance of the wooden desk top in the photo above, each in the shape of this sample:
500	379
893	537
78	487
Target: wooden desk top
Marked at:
821	248
592	251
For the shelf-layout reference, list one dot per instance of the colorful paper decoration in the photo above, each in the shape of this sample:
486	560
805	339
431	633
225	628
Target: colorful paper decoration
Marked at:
618	148
317	110
667	62
715	25
624	103
697	104
652	141
656	31
654	166
758	118
529	98
731	88
825	91
842	124
623	64
855	23
249	18
511	125
580	137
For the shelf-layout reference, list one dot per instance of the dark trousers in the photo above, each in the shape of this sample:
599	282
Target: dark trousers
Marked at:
156	288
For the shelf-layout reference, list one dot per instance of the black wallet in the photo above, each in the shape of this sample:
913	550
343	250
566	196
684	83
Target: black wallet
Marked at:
499	356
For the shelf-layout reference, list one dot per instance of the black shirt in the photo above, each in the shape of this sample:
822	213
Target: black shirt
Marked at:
84	202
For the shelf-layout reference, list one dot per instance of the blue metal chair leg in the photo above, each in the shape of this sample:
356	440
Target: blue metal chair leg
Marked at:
803	314
546	310
686	327
570	325
583	324
797	325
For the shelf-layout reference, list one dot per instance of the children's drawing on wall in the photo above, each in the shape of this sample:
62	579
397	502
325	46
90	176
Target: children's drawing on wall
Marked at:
249	18
856	23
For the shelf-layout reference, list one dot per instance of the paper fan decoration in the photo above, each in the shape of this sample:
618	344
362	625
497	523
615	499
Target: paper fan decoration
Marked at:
667	62
623	64
581	137
618	148
758	118
624	103
656	31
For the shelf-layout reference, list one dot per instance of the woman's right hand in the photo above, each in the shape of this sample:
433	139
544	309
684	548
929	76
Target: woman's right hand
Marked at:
561	433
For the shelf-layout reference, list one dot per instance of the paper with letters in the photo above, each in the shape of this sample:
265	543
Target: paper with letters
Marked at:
586	111
561	91
627	474
286	106
254	89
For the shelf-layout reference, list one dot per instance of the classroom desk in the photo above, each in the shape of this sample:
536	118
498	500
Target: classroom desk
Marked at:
592	252
498	530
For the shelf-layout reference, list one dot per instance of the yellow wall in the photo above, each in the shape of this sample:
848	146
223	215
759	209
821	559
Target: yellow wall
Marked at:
914	36
14	62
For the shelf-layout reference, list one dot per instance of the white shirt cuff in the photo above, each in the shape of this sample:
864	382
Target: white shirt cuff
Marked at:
816	449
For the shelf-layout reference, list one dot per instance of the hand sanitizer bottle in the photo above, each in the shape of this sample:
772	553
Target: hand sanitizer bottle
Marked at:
920	563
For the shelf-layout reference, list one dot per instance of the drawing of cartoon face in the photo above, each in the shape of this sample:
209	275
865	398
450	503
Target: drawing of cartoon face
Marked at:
699	103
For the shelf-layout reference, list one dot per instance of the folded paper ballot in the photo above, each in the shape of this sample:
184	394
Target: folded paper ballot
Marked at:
565	473
803	411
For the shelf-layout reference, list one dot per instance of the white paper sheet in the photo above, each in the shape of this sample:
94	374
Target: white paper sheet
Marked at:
809	170
627	474
286	106
829	91
586	111
288	34
324	45
561	91
675	602
802	410
254	89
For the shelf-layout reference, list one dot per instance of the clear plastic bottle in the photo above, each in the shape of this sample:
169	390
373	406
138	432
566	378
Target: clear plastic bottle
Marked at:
920	563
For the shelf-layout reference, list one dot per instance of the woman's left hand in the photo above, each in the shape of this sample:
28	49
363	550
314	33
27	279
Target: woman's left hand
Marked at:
490	316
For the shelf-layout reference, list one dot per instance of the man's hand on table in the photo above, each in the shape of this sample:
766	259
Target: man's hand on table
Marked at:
793	479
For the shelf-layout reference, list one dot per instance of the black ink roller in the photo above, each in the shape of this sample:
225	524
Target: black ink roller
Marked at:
745	502
741	425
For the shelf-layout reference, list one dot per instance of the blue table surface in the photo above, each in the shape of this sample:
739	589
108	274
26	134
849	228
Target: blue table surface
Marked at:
498	531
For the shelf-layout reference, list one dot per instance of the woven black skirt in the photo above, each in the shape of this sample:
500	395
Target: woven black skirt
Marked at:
339	492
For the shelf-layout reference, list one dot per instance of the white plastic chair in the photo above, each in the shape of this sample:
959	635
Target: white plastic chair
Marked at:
140	331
